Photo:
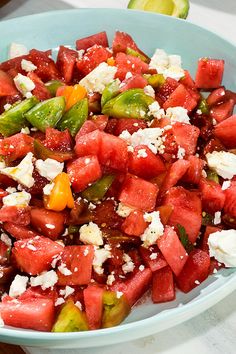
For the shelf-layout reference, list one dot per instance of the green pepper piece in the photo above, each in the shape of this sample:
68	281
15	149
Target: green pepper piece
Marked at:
184	239
115	309
42	152
129	104
203	106
155	80
75	117
53	85
139	55
110	91
12	120
46	113
212	176
70	319
98	190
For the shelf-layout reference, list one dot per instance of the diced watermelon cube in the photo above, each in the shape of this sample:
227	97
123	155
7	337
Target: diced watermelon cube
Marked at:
195	271
180	97
14	64
166	89
93	301
163	288
136	81
134	287
57	140
213	198
130	124
186	136
176	171
230	200
37	314
7	87
94	56
134	224
128	63
187	210
209	73
83	171
16	146
88	143
46	67
226	132
19	232
40	91
222	111
122	41
138	193
152	258
87	42
144	163
78	260
20	215
194	172
113	152
172	250
34	255
216	96
66	59
47	222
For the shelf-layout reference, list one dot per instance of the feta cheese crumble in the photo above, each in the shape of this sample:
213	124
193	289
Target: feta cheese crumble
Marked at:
110	279
49	168
18	286
100	256
222	246
223	163
149	90
99	78
27	65
22	173
6	239
24	84
67	291
167	65
217	218
154	230
180	153
59	301
178	114
48	188
25	130
91	234
128	266
142	153
156	111
124	210
17	50
64	270
17	199
7	106
45	280
225	185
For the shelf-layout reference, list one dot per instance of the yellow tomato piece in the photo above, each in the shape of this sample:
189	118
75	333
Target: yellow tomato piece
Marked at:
61	194
111	61
76	95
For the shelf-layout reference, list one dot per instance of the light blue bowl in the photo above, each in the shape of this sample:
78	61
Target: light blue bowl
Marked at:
151	31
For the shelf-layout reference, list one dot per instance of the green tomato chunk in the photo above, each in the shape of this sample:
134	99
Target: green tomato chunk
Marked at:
115	309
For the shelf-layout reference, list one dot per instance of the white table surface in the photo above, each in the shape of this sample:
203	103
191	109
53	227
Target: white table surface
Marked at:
214	331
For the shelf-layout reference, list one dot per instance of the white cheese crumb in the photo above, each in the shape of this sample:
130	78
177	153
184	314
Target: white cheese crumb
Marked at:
24	84
48	188
119	294
154	230
27	65
197	282
79	305
100	256
142	153
225	185
18	286
50	226
153	256
217	218
168	65
59	301
148	90
128	266
45	280
91	234
124	210
180	153
91	206
178	114
22	173
56	258
223	163
17	199
49	168
11	190
99	78
7	106
17	50
110	279
222	246
25	130
204	174
141	268
156	111
67	291
64	270
6	239
128	75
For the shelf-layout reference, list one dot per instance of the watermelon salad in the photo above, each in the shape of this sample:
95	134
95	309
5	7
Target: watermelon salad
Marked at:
117	177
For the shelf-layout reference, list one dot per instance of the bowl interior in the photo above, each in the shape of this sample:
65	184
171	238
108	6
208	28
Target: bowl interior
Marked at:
150	31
